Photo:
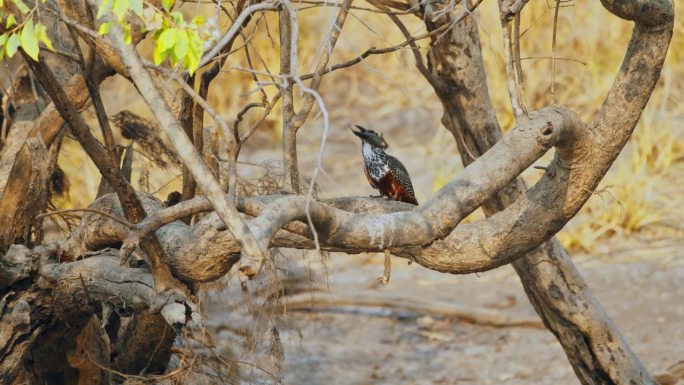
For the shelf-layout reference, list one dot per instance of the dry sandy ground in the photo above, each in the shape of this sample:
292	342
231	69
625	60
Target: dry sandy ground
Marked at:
639	282
361	345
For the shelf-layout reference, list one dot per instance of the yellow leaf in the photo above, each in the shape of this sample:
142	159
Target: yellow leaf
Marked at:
167	4
104	28
41	36
11	21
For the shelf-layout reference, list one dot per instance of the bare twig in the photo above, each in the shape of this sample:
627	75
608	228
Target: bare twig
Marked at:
511	77
322	64
186	117
553	52
520	80
233	30
289	142
88	210
267	110
420	64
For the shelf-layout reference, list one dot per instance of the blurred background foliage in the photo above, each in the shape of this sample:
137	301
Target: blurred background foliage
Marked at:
642	193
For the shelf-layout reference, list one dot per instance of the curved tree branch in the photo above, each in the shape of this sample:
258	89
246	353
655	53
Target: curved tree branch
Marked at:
593	344
411	234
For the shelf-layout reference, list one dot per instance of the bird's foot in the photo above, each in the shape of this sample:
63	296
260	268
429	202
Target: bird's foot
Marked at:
376	196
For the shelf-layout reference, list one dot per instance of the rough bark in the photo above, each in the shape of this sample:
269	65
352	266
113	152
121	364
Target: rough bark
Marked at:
145	346
289	140
26	197
109	169
594	346
51	326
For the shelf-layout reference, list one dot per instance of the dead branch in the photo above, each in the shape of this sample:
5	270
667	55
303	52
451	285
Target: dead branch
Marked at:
512	81
289	141
520	79
229	36
192	118
553	52
428	306
88	210
186	117
25	194
95	98
108	282
322	64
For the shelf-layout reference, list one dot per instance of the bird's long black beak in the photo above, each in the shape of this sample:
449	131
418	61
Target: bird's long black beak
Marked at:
361	133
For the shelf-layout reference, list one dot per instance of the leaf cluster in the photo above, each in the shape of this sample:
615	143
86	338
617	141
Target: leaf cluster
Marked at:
18	30
176	39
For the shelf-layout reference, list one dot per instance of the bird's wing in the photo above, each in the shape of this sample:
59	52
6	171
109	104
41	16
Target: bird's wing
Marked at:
400	174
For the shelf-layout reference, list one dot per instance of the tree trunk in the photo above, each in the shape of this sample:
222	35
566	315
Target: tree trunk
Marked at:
593	344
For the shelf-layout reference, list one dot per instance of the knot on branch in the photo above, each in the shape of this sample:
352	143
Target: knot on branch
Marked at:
510	8
447	88
547	135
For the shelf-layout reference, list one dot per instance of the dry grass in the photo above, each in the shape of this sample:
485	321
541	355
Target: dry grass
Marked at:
637	192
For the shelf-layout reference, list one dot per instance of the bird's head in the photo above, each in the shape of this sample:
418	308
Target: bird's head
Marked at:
371	137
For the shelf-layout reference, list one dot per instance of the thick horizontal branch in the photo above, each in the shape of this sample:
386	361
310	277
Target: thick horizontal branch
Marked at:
425	234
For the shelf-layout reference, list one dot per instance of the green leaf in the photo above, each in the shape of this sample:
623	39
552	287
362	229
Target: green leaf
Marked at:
167	4
11	21
127	34
41	35
105	7
29	43
181	47
137	7
22	7
166	39
119	8
12	45
192	59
